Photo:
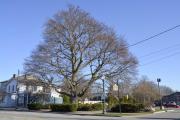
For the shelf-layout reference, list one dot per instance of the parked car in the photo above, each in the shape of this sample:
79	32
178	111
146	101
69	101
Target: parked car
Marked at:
172	105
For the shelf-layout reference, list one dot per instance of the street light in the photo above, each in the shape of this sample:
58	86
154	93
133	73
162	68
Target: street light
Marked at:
159	80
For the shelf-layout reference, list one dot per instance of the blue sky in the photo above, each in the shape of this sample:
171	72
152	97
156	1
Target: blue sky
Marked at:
21	27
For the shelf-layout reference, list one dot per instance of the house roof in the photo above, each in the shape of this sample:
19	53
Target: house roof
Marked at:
30	80
175	93
27	80
4	81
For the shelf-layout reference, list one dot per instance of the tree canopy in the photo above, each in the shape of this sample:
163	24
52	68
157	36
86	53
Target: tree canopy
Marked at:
77	51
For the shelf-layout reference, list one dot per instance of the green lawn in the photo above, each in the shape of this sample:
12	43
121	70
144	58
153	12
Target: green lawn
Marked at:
110	114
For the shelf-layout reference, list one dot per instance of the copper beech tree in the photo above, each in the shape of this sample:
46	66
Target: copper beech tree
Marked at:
77	51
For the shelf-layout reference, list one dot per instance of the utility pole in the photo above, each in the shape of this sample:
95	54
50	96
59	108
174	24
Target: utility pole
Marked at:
104	106
17	89
27	92
159	80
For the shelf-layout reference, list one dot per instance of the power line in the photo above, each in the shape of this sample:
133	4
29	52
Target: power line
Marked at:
160	50
151	37
160	59
156	35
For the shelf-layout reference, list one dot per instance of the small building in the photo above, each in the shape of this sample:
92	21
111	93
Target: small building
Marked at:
22	90
174	97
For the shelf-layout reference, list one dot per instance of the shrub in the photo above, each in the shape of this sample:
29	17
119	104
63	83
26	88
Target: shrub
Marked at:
128	99
141	106
128	107
97	106
66	99
34	106
84	107
90	107
64	107
46	106
112	101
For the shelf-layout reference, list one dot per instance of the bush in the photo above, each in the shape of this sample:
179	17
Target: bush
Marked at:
34	106
84	107
38	106
112	101
46	106
128	107
64	107
128	99
97	106
90	107
66	99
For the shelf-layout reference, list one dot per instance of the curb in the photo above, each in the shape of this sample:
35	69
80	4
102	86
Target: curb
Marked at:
159	112
170	110
164	111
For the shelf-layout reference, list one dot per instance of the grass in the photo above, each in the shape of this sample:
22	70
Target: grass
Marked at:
111	114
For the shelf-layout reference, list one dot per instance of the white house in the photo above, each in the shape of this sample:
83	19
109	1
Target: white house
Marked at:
19	91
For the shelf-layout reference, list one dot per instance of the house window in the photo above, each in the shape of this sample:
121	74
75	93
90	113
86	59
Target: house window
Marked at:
13	88
1	99
9	89
35	88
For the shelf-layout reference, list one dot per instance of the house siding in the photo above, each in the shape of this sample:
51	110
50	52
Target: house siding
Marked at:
18	94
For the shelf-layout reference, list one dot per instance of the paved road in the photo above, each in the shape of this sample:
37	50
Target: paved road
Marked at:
175	115
15	115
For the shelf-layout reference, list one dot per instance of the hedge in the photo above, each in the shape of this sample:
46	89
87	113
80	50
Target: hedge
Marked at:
46	106
38	106
128	107
90	107
84	107
97	106
34	106
64	107
66	99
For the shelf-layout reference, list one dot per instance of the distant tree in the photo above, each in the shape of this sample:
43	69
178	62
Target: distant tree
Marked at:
165	90
145	91
77	51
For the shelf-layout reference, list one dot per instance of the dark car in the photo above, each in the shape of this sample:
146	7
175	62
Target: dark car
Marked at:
172	105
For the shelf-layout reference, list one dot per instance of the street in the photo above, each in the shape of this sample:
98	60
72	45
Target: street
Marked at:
19	115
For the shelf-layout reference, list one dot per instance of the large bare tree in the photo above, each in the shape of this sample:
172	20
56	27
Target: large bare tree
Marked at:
77	51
